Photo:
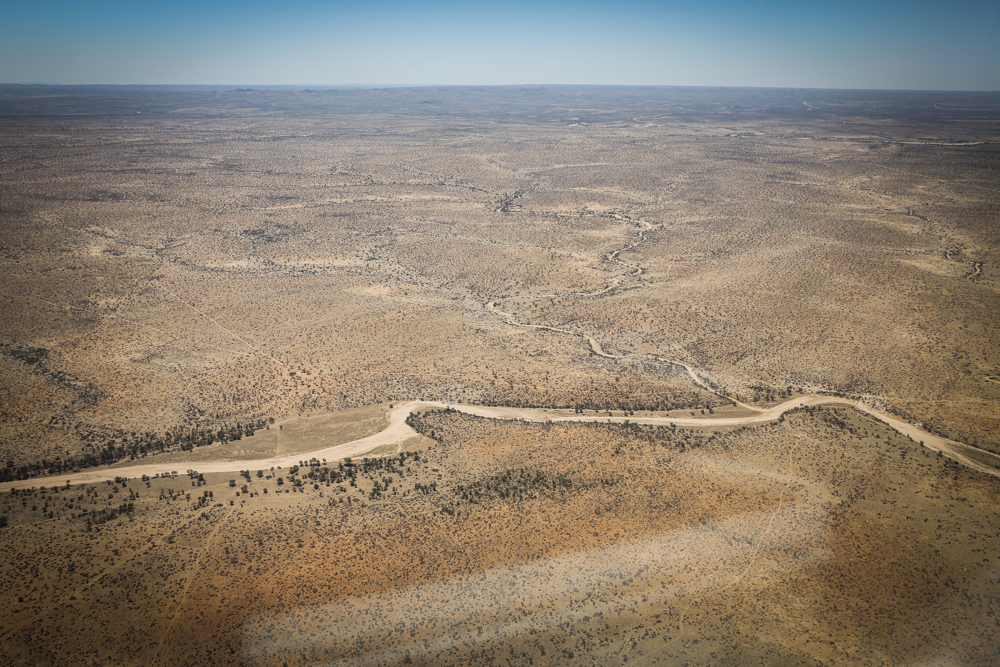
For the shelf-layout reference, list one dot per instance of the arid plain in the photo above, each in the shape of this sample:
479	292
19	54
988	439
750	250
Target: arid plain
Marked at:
193	276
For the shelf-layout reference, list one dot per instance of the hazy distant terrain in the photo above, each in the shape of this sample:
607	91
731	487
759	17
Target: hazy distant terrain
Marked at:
195	268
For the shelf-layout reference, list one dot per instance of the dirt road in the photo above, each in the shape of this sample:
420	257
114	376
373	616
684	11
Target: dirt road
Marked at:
397	432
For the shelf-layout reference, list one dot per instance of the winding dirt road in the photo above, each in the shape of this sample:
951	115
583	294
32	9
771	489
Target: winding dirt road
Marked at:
397	432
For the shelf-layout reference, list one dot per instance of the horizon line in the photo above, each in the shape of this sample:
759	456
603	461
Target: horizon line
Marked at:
253	87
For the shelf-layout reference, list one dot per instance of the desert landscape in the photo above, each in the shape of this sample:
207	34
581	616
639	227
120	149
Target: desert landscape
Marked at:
517	375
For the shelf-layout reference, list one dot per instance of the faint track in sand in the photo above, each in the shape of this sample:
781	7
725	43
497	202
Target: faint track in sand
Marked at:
967	455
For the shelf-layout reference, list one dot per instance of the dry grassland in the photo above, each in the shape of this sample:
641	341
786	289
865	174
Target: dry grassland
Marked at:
196	275
826	537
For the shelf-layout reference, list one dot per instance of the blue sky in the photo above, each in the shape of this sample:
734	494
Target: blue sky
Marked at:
952	45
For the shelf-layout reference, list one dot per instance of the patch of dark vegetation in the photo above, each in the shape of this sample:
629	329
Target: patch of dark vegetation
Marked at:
98	517
32	356
263	235
515	485
384	476
131	446
446	423
36	359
